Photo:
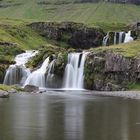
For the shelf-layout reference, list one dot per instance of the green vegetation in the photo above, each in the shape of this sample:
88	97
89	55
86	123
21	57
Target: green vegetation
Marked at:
133	86
16	31
130	50
8	88
106	15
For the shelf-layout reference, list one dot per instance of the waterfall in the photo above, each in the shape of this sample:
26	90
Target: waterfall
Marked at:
105	39
74	71
17	73
117	38
50	75
121	34
128	37
37	78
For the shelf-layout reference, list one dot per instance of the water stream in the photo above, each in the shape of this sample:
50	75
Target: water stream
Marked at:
74	71
17	73
37	78
119	37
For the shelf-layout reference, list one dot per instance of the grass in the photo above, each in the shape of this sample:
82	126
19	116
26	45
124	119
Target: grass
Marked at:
129	50
8	88
133	86
16	31
107	15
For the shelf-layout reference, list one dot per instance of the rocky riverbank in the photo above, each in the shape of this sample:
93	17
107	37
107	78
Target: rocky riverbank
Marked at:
123	94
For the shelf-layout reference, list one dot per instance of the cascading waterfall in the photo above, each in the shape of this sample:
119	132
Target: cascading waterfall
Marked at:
17	73
105	39
50	74
37	78
74	71
121	34
119	37
128	37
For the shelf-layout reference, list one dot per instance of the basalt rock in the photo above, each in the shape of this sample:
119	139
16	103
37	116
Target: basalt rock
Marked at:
108	71
75	35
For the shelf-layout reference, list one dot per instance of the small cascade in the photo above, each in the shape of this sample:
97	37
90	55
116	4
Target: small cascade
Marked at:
50	75
113	38
121	37
74	71
128	37
17	73
105	40
37	78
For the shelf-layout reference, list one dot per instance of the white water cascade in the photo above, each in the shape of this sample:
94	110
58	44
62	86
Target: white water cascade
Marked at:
128	37
37	78
17	73
119	37
74	71
50	74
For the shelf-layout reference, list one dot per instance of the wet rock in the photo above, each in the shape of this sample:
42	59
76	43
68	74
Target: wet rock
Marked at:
98	85
4	94
12	91
31	88
112	87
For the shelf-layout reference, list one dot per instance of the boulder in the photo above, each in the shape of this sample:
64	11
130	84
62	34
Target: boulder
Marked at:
31	88
4	94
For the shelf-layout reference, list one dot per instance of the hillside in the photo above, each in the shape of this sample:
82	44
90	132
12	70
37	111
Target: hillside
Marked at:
102	14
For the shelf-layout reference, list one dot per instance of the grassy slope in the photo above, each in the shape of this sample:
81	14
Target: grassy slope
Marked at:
100	14
16	31
129	50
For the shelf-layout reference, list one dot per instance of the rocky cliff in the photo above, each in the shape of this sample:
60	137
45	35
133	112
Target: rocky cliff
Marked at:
75	35
107	71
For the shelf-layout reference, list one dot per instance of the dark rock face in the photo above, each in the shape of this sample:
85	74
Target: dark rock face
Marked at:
110	72
76	35
87	38
136	30
2	73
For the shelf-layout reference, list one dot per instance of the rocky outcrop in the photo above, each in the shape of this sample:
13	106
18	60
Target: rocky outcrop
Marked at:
31	88
108	71
76	35
136	28
4	94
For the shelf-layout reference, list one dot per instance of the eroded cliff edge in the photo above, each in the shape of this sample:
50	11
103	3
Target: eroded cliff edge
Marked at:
108	71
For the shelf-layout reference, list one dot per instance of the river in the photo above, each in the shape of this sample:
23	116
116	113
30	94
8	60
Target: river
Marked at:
69	116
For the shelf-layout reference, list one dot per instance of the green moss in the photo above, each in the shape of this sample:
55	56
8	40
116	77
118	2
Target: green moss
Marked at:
133	86
7	88
45	51
129	50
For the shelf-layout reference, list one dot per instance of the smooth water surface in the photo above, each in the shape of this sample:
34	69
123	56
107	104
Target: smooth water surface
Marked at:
69	116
